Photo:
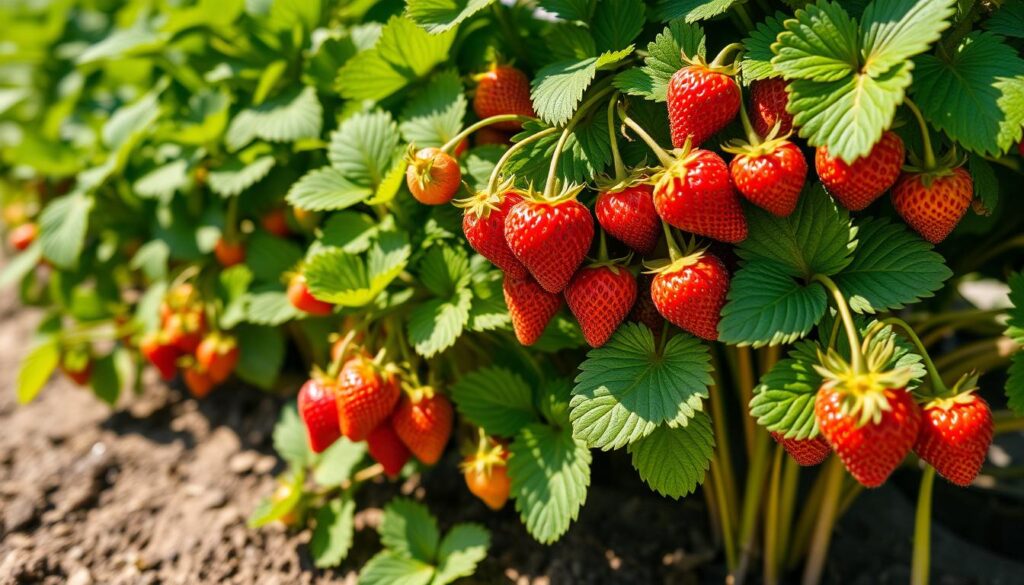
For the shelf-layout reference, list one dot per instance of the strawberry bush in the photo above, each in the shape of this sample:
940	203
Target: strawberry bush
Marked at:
703	233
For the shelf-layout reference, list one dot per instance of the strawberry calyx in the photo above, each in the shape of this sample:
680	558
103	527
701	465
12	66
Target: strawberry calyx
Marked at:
603	261
422	164
483	202
722	62
864	392
678	259
632	178
752	149
677	168
941	167
566	193
487	454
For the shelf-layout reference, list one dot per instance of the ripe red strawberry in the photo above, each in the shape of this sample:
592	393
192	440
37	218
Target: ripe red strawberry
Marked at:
600	297
229	253
275	221
387	449
628	215
158	349
806	452
696	196
550	238
870	451
366	396
197	380
22	236
503	90
80	375
933	205
433	176
488	135
530	307
303	300
318	409
955	435
1020	148
701	101
424	422
483	222
218	355
857	185
185	329
768	100
691	292
644	310
770	175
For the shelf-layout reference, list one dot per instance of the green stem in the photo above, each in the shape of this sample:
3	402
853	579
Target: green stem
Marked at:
790	482
663	157
771	521
511	36
745	374
926	139
602	246
722	438
448	146
620	168
753	490
727	537
938	387
826	518
848	324
673	248
231	221
731	48
549	187
492	182
922	530
741	11
1006	422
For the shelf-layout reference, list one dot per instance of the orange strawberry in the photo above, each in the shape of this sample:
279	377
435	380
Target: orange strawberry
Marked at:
433	176
197	380
806	452
955	436
503	90
229	253
366	395
486	473
933	203
856	185
275	222
423	420
218	355
387	448
600	296
22	236
319	411
303	300
530	307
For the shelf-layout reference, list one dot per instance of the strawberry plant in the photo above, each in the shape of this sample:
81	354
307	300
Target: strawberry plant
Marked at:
542	230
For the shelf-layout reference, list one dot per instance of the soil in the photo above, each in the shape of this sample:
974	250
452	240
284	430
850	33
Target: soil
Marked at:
158	490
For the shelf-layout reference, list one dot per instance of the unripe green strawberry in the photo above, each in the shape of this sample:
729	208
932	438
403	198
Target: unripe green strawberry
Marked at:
550	237
366	395
387	448
806	452
701	101
695	195
856	185
319	412
423	420
600	297
933	204
530	307
955	436
691	292
503	90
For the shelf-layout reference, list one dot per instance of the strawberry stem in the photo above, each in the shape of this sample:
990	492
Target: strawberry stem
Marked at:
549	187
731	48
724	513
771	521
926	140
492	183
231	221
922	529
826	519
448	146
938	386
673	249
663	156
602	247
851	328
752	136
741	11
620	169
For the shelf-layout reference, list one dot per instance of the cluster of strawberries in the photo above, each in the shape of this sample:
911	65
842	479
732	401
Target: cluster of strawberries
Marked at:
186	342
367	400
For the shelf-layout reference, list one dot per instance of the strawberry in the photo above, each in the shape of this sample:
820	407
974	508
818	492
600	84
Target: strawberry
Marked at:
702	100
303	300
197	380
229	253
628	215
933	203
806	452
366	396
690	292
695	195
489	135
530	307
856	185
1020	148
387	449
461	148
218	355
483	222
600	296
550	237
955	435
503	90
307	220
275	222
79	376
423	420
770	175
491	485
22	236
158	349
186	329
768	101
319	411
644	310
433	176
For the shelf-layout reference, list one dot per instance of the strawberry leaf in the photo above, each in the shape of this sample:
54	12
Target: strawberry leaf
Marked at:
587	153
1015	384
1008	20
290	440
271	510
291	116
460	551
336	464
550	473
1015	322
269	306
616	24
891	268
784	398
673	460
896	30
757	59
269	257
496	400
438	16
261	354
236	175
435	325
768	306
332	537
558	88
664	58
570	9
627	387
36	368
325	189
62	227
388	568
338	277
409	530
692	10
818	44
105	379
434	115
364	147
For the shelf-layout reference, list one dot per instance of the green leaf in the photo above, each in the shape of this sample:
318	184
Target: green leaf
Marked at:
105	379
62	228
363	147
820	44
332	537
270	510
664	58
817	238
405	45
163	181
692	10
444	270
336	464
269	257
349	230
367	76
986	184
559	87
757	59
434	116
587	153
896	30
36	368
287	14
1015	384
290	439
461	550
435	325
891	268
673	460
235	176
616	24
388	568
409	530
343	279
261	354
291	116
438	16
1008	20
270	307
126	42
626	388
550	473
21	265
976	96
767	306
325	189
496	400
784	398
1015	319
580	10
